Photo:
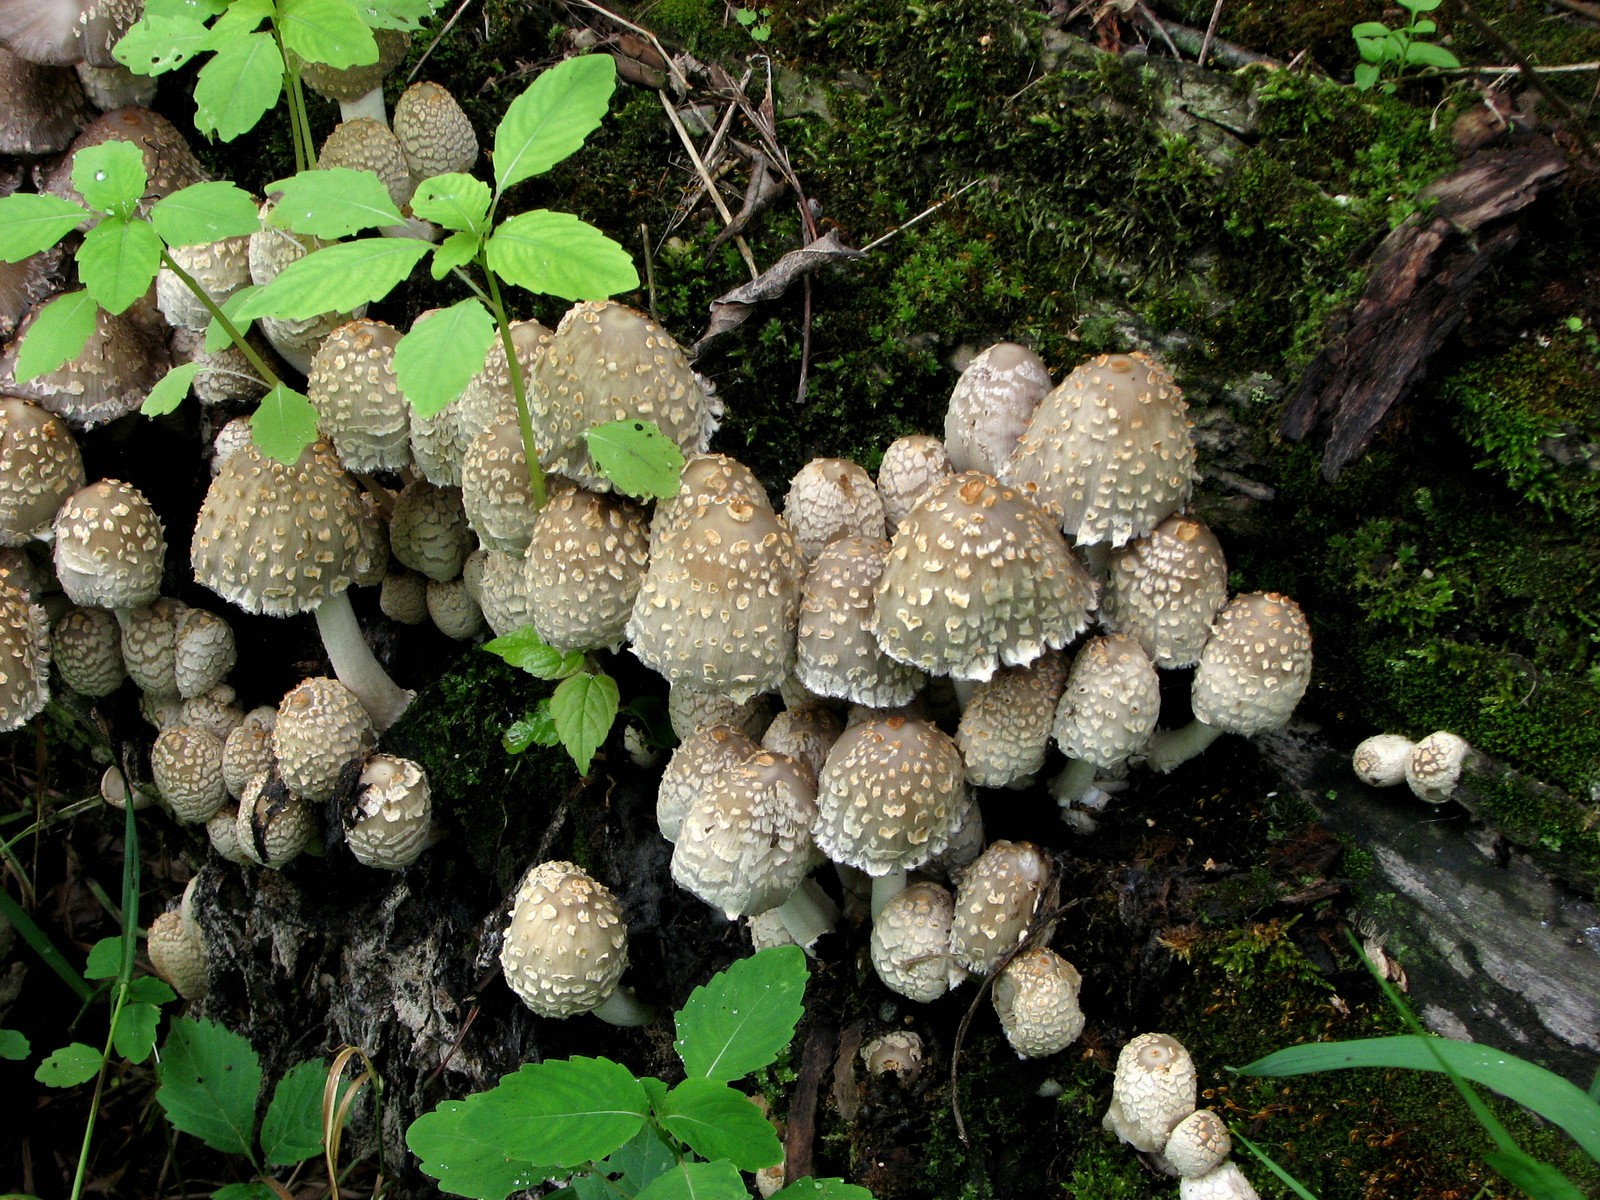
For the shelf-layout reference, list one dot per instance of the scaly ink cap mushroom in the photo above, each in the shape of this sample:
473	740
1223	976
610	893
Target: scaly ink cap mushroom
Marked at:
910	944
704	476
44	106
434	133
387	822
698	760
40	466
360	407
586	558
1434	766
1107	712
1154	1088
428	530
1380	760
186	766
1005	727
494	487
1198	1145
122	360
1036	999
837	655
87	648
109	546
831	498
995	902
220	268
363	144
1224	1182
1165	589
169	164
910	467
321	728
991	405
24	657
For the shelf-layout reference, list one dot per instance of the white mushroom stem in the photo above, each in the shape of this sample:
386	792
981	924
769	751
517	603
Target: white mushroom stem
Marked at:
885	888
370	105
808	913
1169	748
622	1007
355	666
1074	782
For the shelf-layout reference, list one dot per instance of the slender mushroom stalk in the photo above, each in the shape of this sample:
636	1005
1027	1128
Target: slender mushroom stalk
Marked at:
885	888
622	1007
808	913
354	664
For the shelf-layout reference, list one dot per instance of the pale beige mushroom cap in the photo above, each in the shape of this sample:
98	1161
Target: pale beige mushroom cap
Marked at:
910	467
273	825
452	609
433	131
1164	590
586	560
991	406
1226	1182
204	651
40	466
222	830
704	476
495	490
996	901
109	546
247	750
271	250
1154	1088
1036	998
698	760
1434	766
565	945
360	407
363	144
502	590
910	944
150	646
806	733
1109	707
178	954
831	498
216	710
24	658
1380	760
321	729
837	654
691	710
1005	728
1109	450
86	645
977	577
122	360
387	823
1198	1144
186	766
898	1052
1255	666
220	268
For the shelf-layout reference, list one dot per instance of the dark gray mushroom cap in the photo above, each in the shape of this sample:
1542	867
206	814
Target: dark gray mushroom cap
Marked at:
39	468
1255	666
991	406
1005	727
86	645
831	498
109	546
1112	699
351	83
27	283
24	658
44	106
360	407
1165	589
837	655
122	360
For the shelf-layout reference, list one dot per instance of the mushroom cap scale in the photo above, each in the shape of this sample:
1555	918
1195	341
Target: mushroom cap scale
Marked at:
565	945
1198	1144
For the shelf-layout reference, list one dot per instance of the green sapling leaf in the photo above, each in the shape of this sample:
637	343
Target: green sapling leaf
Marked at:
634	1164
584	708
552	117
738	1021
455	1146
147	989
1426	54
118	262
170	390
336	279
210	1078
637	457
525	649
216	336
716	1122
435	361
457	250
32	223
396	14
454	201
14	1044
57	336
136	1031
69	1066
110	177
291	1131
242	17
203	213
557	254
239	86
105	959
284	424
697	1181
538	728
1366	74
822	1189
160	43
564	1112
326	31
254	1190
333	202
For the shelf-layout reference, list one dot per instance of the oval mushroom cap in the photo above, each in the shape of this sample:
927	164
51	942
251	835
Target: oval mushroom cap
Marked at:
831	498
24	658
1036	998
273	825
44	106
387	822
363	144
910	944
39	468
565	945
1434	766
321	729
1165	589
586	558
247	750
220	268
435	134
169	164
186	766
1153	1089
109	546
360	407
1198	1144
910	467
1005	728
704	476
995	902
86	646
991	406
428	530
495	489
1255	666
178	954
698	760
807	733
1225	1182
837	654
351	83
1110	705
1380	760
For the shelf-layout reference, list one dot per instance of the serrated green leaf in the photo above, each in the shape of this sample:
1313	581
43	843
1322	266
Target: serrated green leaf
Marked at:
563	1112
216	336
557	254
284	424
737	1021
254	1190
636	1162
337	278
716	1122
32	223
111	176
455	201
160	43
535	729
170	390
822	1189
239	86
396	14
332	202
69	1066
454	1146
105	959
326	31
552	117
203	213
118	262
1426	54
58	335
243	17
637	457
147	989
136	1031
457	250
291	1131
583	708
697	1181
14	1044
210	1078
525	649
435	361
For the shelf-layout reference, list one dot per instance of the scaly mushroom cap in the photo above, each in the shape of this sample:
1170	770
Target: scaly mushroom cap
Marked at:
428	530
1255	666
744	844
204	652
363	144
216	710
586	560
837	655
495	490
996	900
440	442
891	795
27	283
186	766
351	83
1226	1182
991	406
806	733
273	825
1434	766
24	658
115	86
247	751
387	823
271	250
321	729
1198	1144
610	363
1036	998
1112	699
691	710
704	476
1380	760
719	605
220	268
699	759
39	468
44	106
87	648
360	407
178	954
403	597
978	576
1153	1089
435	134
150	646
109	547
501	583
1005	728
452	609
831	498
565	945
169	164
225	375
898	1052
222	831
910	467
278	539
911	943
109	378
1109	449
1165	589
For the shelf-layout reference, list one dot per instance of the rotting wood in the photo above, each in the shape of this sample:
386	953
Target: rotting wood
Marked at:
800	1132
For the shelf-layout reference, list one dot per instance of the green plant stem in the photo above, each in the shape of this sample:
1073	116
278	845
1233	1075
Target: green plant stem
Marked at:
305	155
530	448
228	327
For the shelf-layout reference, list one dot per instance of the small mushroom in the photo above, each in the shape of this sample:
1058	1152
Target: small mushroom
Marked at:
321	728
364	144
1036	999
1165	589
357	88
1198	1145
86	646
360	407
274	826
1153	1089
806	733
247	750
910	467
109	547
831	498
1226	1182
178	953
995	903
186	766
452	609
910	944
991	406
204	652
150	646
44	106
495	490
388	821
586	559
428	530
1005	727
24	658
898	1053
1380	760
698	760
220	268
40	467
837	655
1434	766
434	133
1107	712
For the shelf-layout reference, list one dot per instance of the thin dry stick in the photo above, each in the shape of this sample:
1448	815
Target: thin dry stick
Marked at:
678	81
1581	7
1533	77
1166	37
443	29
649	271
927	212
1512	68
712	151
1211	32
710	186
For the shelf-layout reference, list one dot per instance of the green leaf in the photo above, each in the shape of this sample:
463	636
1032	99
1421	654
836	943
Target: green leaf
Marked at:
1426	54
105	959
454	201
1289	1181
242	18
738	1021
634	1164
255	1190
147	989
210	1079
118	262
715	1122
58	335
136	1031
455	1146
457	250
1366	74
637	457
552	117
216	336
538	728
1528	1174
396	14
810	1188
203	213
238	87
525	649
1422	27
333	202
200	10
1369	29
697	1181
111	176
159	43
338	278
32	223
563	1112
284	424
170	390
436	360
14	1044
1546	1093
291	1132
556	254
326	31
583	708
69	1066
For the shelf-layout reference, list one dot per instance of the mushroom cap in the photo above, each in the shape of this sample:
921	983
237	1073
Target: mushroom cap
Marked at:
452	609
1109	449
502	586
1112	699
439	443
1165	589
1225	1182
24	658
186	766
495	490
360	407
991	405
222	830
67	31
698	760
1434	766
44	106
220	268
273	825
204	652
898	1051
403	597
387	823
321	729
836	653
225	374
363	144
978	576
279	539
115	86
433	131
1154	1088
891	794
109	546
565	945
428	530
1198	1144
150	646
351	83
691	710
122	360
178	954
1255	666
86	645
27	283
1380	760
910	944
1036	998
831	498
216	710
586	559
806	733
1005	728
704	476
40	466
247	750
995	902
911	465
169	164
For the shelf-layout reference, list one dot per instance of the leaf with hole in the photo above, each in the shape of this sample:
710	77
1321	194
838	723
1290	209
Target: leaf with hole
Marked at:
552	117
69	1066
637	457
209	1080
332	202
160	43
557	254
396	14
